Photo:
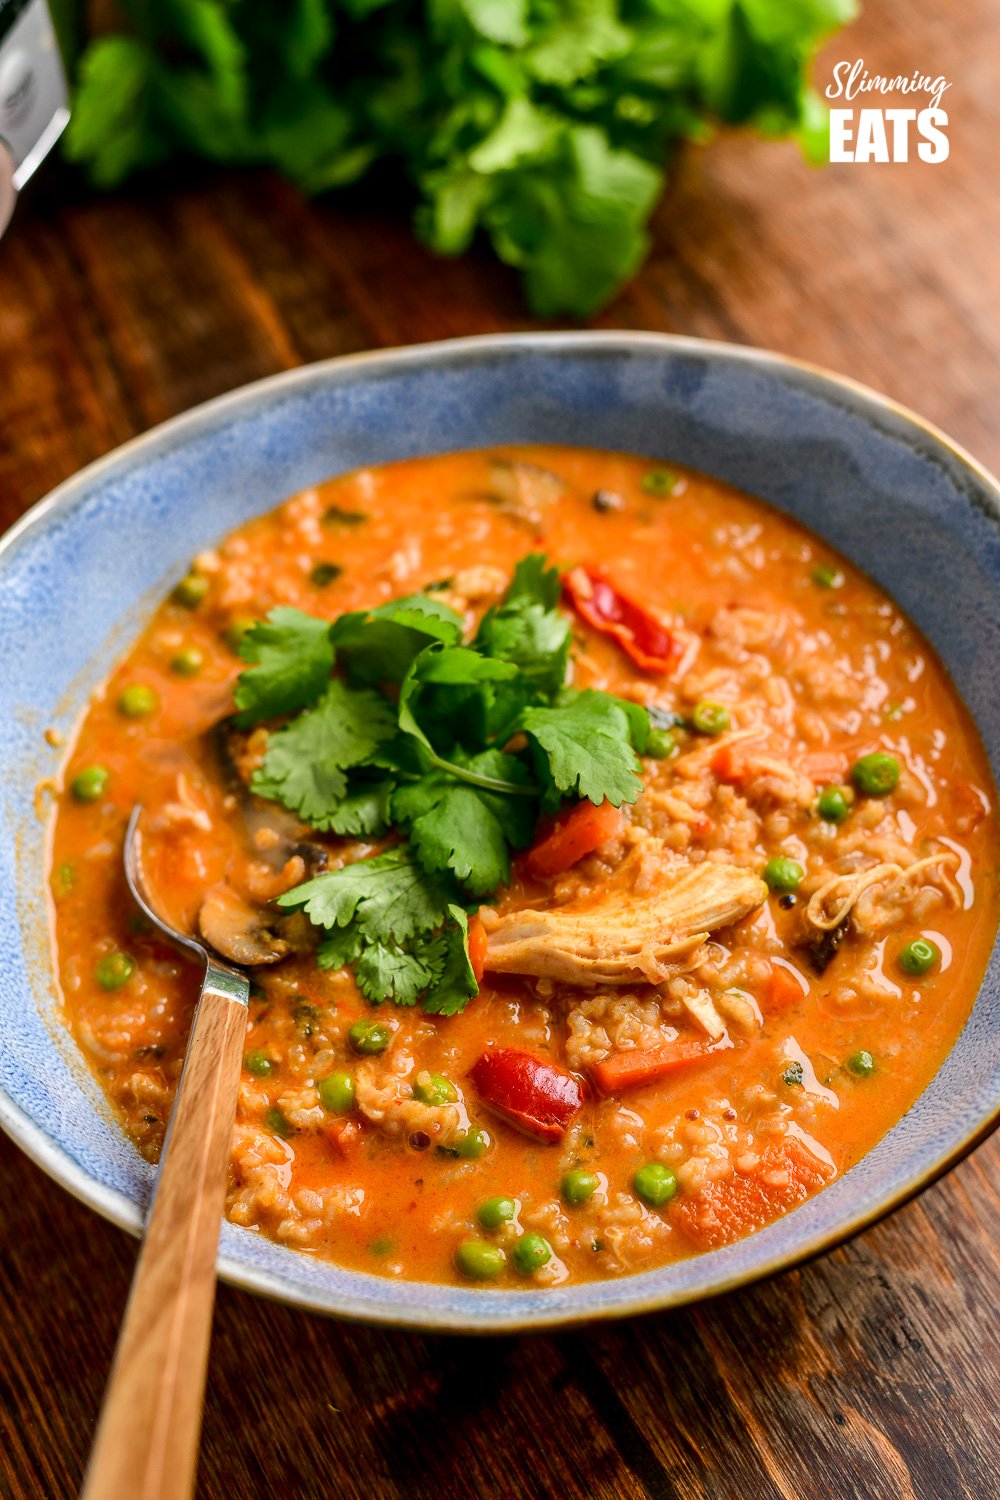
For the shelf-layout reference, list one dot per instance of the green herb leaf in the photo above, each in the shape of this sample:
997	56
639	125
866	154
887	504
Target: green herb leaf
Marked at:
390	897
385	973
305	763
464	829
292	659
527	630
585	740
455	983
379	645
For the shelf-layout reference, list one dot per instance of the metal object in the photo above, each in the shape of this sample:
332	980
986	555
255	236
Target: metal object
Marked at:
220	978
34	100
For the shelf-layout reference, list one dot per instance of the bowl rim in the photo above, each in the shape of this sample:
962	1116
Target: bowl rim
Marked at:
121	1210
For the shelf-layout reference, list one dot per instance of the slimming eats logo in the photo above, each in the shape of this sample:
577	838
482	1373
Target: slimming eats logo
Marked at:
887	134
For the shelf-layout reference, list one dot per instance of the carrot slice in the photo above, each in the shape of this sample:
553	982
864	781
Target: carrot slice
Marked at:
634	1066
344	1136
781	990
824	767
738	760
571	836
477	947
729	1208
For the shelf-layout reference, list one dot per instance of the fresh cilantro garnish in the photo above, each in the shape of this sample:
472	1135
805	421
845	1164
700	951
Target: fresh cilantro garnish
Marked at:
527	629
586	742
543	126
292	658
457	747
306	762
379	645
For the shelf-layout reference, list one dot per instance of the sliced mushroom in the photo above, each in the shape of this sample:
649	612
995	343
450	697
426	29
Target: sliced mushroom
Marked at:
624	939
521	489
246	935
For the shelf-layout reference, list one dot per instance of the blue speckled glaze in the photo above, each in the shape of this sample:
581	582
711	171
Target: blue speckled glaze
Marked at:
82	570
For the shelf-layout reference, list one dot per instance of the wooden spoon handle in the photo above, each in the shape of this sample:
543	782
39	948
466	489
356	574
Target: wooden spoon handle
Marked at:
146	1447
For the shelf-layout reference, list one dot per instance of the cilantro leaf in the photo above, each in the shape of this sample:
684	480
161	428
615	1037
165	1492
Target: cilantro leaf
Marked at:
533	638
390	897
455	983
585	741
305	763
364	809
389	973
379	645
543	124
464	829
461	667
535	582
339	948
292	658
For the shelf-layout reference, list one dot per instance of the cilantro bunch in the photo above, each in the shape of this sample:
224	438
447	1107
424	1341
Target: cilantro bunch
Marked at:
394	724
544	124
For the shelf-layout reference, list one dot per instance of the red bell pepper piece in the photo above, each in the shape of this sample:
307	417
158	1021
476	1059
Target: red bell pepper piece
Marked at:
528	1092
570	836
638	631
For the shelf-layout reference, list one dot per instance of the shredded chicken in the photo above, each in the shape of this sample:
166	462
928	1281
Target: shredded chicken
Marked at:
622	940
851	887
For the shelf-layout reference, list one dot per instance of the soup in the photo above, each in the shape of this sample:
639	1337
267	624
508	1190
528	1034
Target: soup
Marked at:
612	862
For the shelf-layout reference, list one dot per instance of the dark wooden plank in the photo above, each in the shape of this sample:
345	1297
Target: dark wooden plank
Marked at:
871	1372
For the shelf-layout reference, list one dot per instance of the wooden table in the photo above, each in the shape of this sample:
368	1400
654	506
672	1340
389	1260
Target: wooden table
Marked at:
872	1373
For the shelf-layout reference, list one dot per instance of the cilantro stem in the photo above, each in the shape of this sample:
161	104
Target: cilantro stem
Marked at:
487	783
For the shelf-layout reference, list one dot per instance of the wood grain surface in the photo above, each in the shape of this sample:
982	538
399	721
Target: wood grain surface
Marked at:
146	1447
874	1371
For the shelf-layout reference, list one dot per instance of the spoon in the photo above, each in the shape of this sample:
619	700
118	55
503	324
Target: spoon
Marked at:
146	1447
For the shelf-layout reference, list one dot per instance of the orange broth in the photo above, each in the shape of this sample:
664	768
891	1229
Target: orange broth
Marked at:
820	664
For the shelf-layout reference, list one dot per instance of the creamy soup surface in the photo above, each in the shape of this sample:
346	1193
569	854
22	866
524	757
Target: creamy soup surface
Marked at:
723	992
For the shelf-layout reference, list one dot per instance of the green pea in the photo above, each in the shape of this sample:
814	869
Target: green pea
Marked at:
530	1252
496	1211
660	744
188	663
191	590
578	1186
275	1121
114	970
236	630
919	956
437	1090
862	1064
659	482
90	784
655	1184
369	1037
336	1093
833	805
710	718
827	577
137	700
782	874
479	1261
470	1144
324	574
259	1064
876	775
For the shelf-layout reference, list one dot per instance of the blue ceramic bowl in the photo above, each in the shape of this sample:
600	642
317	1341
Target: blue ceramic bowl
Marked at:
80	573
